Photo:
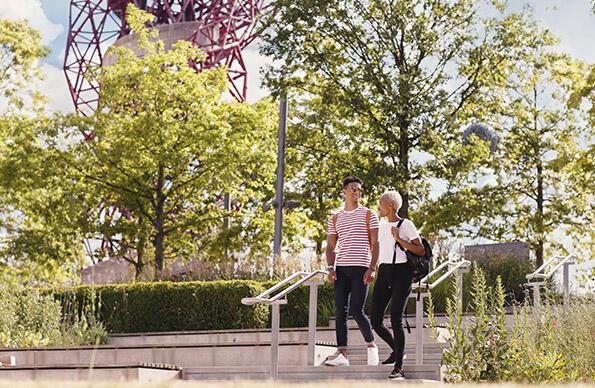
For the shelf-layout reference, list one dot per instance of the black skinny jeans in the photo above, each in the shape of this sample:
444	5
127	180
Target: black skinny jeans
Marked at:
350	294
393	283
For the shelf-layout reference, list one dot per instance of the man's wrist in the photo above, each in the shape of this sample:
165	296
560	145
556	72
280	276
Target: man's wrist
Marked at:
330	267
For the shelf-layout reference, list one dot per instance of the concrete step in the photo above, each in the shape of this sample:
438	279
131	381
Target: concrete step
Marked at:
413	373
142	373
323	335
190	355
182	355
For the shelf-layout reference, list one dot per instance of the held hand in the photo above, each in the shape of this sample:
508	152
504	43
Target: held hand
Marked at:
332	275
395	232
369	276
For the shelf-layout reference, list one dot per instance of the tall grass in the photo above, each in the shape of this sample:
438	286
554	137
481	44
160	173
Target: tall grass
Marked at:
30	318
550	343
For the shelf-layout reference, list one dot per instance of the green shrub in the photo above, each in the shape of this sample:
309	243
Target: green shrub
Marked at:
511	272
553	343
477	348
31	318
167	306
548	344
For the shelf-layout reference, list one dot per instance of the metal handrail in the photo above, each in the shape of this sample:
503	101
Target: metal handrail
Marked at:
570	259
539	273
262	297
454	266
276	300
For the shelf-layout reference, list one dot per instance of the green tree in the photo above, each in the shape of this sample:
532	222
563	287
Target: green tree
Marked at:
408	73
40	239
41	234
544	176
162	144
20	49
322	149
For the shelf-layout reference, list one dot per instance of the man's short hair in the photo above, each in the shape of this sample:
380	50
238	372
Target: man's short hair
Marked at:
351	179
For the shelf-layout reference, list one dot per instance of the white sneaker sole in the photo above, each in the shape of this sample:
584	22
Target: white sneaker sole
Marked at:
331	363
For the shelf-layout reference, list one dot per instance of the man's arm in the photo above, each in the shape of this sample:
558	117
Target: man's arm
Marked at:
331	243
370	273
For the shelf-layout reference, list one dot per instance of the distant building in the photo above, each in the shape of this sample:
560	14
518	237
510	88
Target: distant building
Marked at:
108	272
517	250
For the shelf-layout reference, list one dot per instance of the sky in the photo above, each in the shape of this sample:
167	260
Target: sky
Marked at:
571	20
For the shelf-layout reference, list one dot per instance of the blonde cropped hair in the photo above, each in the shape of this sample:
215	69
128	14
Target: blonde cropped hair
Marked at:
394	198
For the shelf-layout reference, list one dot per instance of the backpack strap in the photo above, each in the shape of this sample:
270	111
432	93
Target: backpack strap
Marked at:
396	243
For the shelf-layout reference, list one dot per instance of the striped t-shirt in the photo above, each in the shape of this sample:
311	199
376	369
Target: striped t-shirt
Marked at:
352	231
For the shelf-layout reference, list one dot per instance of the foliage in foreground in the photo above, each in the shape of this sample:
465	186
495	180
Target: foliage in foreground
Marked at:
547	343
30	318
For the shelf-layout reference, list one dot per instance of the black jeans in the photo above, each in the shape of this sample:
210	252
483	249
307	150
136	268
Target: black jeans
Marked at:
393	283
350	294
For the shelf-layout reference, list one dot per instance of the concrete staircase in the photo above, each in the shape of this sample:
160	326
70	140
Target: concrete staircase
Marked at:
216	355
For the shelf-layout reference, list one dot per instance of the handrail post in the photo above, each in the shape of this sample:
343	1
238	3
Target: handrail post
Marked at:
312	316
275	318
566	280
419	325
536	294
459	290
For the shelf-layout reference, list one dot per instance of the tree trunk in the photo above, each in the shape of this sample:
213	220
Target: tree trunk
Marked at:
140	259
159	224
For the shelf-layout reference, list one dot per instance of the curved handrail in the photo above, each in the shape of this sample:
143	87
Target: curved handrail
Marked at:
262	298
275	300
538	273
539	277
453	267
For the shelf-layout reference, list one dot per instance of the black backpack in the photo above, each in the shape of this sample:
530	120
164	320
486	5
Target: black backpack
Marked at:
419	265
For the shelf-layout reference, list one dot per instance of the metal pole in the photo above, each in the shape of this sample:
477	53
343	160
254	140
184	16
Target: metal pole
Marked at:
226	206
419	327
536	295
312	310
275	341
280	177
459	291
566	279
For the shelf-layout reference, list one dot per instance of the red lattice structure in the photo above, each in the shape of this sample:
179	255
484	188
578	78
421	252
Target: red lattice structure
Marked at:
223	29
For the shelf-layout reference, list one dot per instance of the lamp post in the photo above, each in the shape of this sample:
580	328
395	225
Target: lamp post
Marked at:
280	176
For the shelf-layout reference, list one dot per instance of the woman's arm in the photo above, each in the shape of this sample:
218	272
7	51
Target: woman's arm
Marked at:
414	246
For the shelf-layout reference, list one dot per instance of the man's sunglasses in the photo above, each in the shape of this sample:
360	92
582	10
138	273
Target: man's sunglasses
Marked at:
355	189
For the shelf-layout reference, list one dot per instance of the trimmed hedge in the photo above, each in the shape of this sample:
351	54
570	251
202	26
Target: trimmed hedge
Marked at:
168	306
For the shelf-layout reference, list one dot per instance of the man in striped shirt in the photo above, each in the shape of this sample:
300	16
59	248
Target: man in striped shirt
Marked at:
355	229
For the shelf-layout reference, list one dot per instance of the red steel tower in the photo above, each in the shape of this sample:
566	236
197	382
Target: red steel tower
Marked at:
221	28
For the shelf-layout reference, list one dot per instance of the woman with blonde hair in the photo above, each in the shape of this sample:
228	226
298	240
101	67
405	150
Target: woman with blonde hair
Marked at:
395	236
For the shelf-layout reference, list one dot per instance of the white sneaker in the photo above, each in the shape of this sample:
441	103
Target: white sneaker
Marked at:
373	356
337	359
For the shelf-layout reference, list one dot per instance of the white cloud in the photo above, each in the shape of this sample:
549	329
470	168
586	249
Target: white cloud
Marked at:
32	11
55	88
255	62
